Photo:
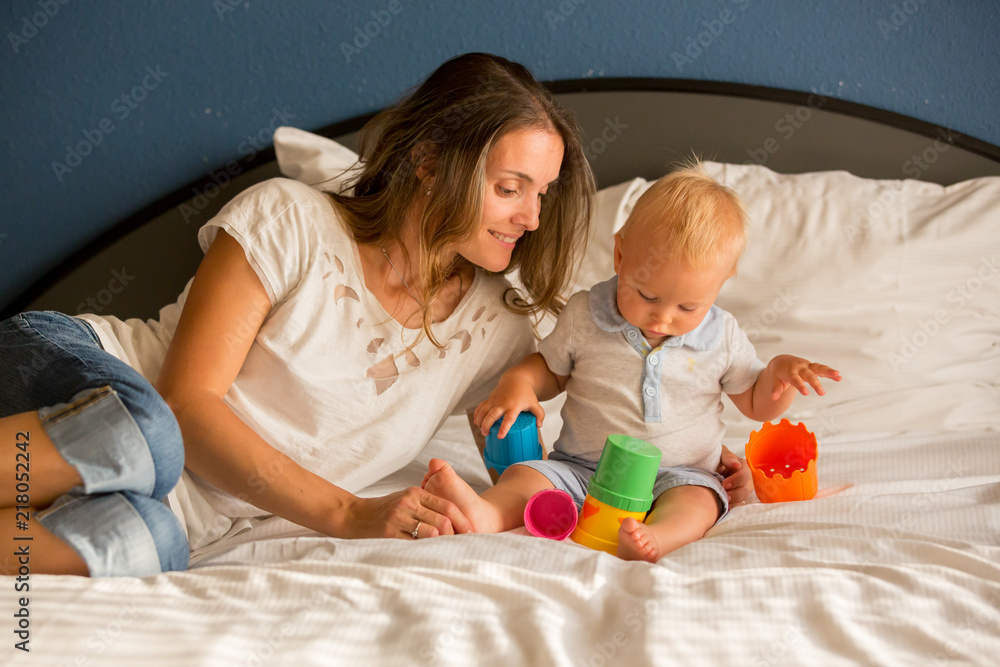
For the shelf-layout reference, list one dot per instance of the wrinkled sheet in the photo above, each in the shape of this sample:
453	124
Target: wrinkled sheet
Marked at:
900	567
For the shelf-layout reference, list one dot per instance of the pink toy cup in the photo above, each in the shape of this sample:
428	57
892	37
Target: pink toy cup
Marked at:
550	513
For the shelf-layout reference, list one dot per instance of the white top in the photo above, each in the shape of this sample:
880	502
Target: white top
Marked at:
322	382
615	381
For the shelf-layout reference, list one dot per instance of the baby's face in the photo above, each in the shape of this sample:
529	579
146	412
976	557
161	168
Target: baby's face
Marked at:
662	295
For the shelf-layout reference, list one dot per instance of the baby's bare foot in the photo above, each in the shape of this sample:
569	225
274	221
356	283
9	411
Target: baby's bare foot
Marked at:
636	541
442	480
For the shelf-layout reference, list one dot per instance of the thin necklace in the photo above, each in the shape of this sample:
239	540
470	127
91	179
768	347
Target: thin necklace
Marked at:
400	275
403	280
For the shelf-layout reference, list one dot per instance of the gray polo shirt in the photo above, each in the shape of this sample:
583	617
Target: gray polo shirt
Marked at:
670	396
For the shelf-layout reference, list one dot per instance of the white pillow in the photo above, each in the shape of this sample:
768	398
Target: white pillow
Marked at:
312	159
894	283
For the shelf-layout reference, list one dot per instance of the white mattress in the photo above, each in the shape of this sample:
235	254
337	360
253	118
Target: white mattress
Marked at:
903	567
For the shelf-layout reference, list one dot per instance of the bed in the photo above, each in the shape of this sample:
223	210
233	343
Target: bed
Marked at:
874	249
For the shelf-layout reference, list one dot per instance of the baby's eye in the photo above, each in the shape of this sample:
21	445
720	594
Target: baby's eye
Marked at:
686	309
647	298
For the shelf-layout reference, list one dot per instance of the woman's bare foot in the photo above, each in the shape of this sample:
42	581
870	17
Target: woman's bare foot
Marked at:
442	480
636	541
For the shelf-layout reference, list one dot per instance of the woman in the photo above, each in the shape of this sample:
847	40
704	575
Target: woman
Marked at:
323	340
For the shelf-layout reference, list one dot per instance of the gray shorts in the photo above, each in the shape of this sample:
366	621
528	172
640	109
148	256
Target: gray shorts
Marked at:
572	474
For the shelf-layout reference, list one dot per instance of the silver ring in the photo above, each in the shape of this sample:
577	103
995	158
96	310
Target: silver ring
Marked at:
415	534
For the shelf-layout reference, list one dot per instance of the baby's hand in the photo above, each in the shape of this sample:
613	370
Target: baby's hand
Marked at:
508	400
788	371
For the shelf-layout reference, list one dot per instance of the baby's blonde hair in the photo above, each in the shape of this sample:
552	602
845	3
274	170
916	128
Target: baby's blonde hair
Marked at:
691	216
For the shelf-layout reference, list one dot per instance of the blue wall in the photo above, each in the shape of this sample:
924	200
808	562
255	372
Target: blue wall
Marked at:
167	91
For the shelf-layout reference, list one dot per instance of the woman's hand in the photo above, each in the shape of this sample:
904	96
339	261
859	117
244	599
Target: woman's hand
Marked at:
739	482
405	514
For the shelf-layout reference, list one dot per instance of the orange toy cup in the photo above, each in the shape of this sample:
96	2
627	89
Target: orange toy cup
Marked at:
782	460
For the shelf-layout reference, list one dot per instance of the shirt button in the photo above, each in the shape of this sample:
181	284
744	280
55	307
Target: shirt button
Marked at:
653	360
650	391
632	334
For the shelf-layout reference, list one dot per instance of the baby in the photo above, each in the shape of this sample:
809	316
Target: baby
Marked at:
645	354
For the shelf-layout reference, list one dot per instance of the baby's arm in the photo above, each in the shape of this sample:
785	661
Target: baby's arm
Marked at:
520	388
771	395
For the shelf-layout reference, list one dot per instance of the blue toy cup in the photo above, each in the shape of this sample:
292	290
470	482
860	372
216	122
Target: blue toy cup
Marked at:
520	444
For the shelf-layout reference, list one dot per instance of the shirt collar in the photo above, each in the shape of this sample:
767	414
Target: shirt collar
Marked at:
603	301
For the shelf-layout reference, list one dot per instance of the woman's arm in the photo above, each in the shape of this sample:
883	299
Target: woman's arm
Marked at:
225	308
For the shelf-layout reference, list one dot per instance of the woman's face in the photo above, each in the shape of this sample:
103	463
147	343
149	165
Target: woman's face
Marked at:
519	170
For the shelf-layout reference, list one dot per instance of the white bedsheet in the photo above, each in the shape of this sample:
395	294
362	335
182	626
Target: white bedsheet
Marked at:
902	567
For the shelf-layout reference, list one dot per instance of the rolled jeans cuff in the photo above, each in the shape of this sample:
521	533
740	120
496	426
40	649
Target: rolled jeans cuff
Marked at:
95	433
108	533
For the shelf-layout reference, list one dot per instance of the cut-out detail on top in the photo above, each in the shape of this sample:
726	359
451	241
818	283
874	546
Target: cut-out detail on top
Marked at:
340	265
479	313
343	291
463	336
360	322
411	358
375	344
384	373
491	317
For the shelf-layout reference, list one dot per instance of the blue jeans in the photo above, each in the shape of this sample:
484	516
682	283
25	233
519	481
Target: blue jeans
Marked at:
110	424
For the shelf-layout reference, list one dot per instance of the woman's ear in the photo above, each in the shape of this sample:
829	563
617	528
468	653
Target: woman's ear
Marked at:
422	157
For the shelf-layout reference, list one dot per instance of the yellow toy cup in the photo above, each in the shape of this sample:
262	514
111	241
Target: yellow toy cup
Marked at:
782	460
621	487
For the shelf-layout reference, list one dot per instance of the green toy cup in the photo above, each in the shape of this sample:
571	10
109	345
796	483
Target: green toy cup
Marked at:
626	473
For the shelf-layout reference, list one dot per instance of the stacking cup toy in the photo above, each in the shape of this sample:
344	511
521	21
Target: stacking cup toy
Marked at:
520	444
782	460
622	486
550	513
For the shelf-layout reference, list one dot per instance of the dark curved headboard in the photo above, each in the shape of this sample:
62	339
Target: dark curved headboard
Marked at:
632	127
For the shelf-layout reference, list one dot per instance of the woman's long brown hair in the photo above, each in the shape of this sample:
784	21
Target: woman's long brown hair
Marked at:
449	124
